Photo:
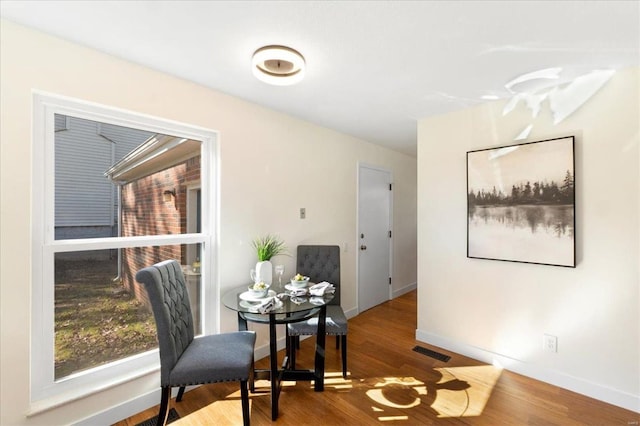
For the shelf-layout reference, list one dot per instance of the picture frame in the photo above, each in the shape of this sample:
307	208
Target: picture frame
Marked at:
521	203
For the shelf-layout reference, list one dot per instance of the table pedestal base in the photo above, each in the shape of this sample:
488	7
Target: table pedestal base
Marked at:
276	375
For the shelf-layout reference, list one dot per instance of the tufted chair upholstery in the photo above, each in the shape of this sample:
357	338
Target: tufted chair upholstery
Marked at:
321	263
184	360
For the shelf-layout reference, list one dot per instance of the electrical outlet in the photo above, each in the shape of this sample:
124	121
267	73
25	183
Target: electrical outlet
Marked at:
549	343
303	213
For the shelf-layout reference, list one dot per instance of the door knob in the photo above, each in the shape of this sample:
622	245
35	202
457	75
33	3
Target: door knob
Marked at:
363	247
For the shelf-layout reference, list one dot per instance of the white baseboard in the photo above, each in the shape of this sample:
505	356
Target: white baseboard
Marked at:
593	390
263	350
128	408
350	313
402	290
124	410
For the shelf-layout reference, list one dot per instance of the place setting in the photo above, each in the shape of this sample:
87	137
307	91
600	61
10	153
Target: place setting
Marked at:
260	298
299	287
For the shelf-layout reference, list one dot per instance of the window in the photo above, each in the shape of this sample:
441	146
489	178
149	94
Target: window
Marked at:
118	192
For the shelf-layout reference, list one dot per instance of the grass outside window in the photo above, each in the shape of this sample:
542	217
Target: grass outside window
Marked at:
96	320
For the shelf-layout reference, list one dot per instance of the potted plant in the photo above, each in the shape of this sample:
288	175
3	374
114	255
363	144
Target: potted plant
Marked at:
266	248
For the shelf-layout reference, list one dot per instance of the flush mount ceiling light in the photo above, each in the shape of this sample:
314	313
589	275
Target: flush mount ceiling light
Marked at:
278	65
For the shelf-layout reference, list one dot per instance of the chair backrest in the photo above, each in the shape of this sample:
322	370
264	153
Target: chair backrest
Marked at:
320	263
169	300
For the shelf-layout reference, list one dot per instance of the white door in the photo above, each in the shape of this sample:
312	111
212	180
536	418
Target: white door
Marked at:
374	236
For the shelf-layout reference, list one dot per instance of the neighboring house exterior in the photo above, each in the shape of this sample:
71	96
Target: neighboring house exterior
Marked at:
159	195
85	201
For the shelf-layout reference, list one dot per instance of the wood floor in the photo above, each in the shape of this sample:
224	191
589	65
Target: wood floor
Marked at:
389	383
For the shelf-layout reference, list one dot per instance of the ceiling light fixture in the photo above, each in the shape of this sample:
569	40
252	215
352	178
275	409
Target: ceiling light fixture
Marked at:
278	65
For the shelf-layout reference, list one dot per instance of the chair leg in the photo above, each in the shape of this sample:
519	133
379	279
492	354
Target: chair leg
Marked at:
292	351
180	393
244	396
287	342
252	377
344	355
164	406
297	338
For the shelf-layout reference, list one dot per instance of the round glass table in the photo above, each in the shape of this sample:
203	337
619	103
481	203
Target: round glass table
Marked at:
286	309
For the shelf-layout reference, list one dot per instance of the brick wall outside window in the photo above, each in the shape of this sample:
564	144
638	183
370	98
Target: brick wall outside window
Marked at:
146	210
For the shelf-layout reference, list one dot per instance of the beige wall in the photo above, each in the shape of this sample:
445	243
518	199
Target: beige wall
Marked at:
260	191
500	310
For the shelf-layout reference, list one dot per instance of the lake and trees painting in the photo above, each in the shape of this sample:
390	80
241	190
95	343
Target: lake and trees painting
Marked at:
521	203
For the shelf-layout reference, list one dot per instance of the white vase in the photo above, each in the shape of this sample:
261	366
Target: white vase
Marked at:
264	272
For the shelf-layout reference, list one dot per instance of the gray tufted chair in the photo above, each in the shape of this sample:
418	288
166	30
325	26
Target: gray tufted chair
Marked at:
321	263
184	360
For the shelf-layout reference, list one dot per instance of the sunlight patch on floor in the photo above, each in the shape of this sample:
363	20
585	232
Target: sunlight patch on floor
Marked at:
267	384
396	392
459	392
393	418
336	381
224	411
464	391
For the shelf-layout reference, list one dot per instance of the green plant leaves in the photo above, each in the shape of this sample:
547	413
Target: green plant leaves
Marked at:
268	247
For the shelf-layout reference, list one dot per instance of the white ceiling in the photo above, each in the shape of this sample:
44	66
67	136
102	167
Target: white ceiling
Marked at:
373	67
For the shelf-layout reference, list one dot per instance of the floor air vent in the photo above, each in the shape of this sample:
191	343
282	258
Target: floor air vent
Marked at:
432	354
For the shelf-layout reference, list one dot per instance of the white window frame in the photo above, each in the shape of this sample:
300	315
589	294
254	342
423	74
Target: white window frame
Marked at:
46	392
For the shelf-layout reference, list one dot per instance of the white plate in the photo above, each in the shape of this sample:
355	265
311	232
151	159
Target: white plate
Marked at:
294	288
253	298
253	307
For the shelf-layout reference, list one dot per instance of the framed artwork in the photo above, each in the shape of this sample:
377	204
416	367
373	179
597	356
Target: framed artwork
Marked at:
521	203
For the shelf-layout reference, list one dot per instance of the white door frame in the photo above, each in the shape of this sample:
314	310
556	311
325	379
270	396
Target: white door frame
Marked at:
356	245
